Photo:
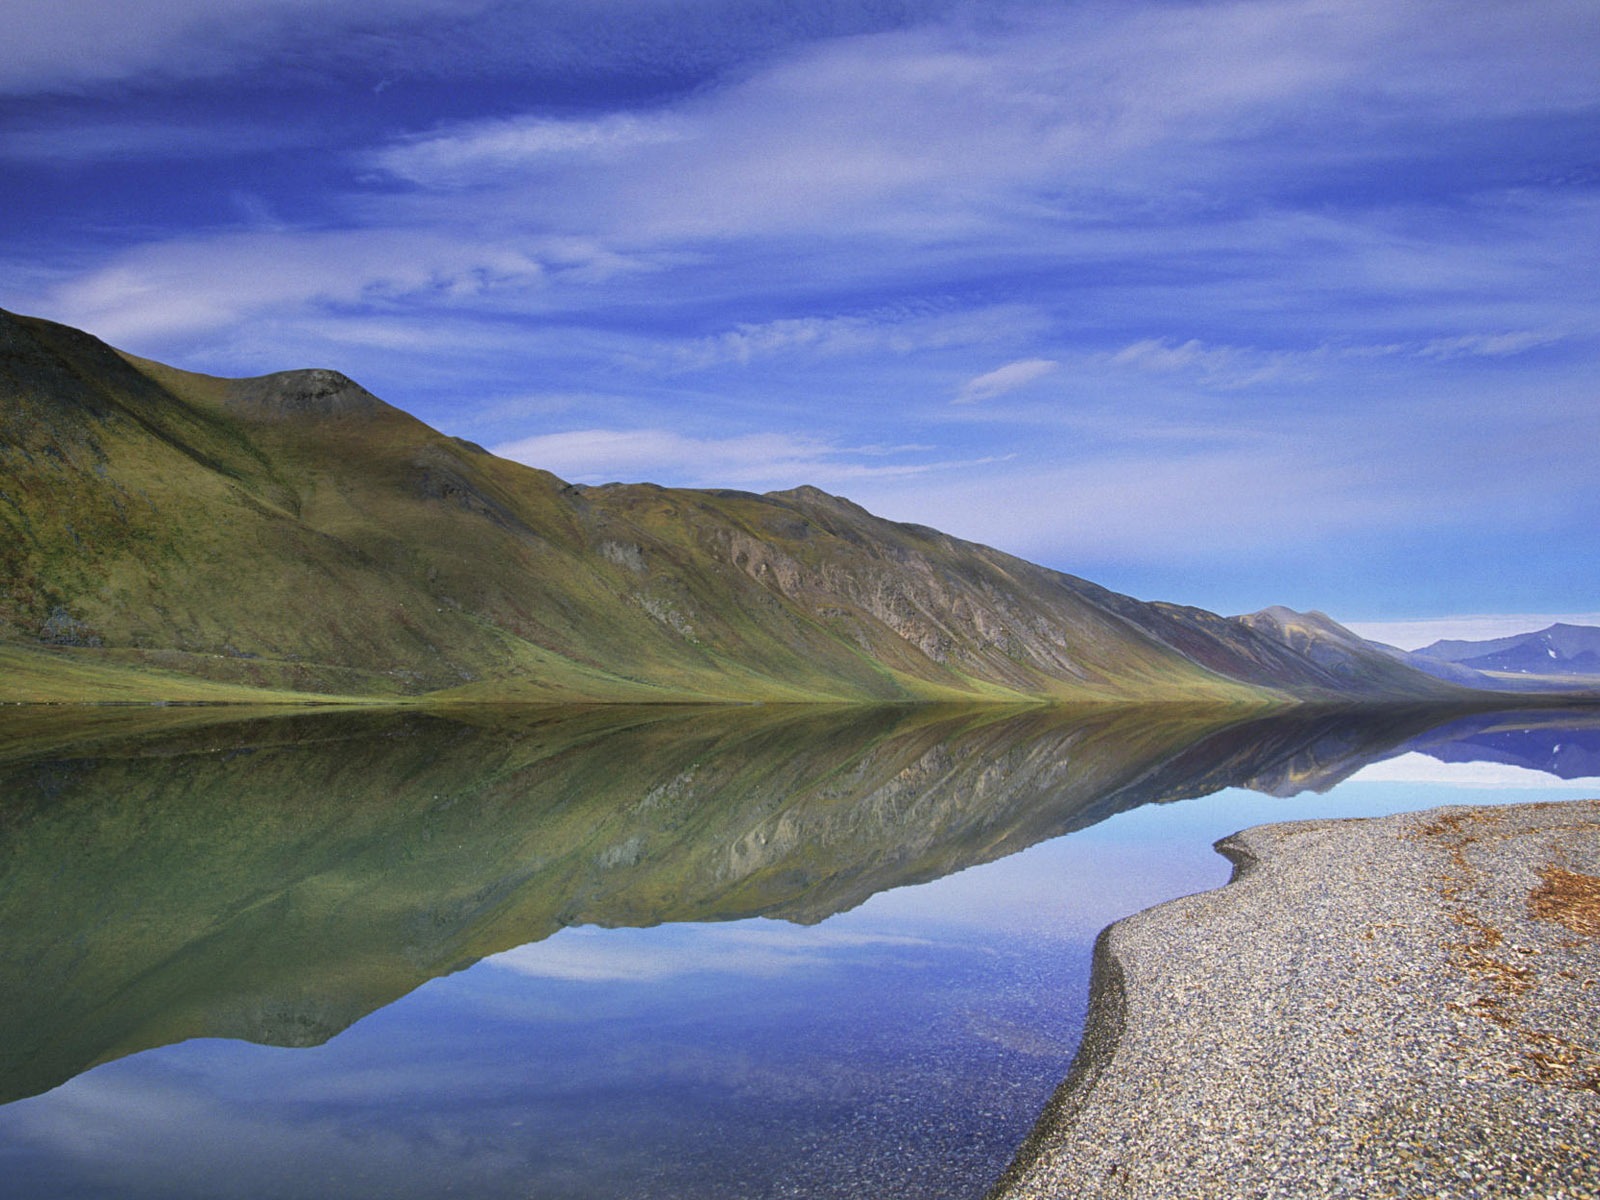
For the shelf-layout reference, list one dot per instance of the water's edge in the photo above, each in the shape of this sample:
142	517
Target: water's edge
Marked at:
1105	1023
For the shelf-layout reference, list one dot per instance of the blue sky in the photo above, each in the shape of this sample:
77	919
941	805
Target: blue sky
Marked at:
1277	301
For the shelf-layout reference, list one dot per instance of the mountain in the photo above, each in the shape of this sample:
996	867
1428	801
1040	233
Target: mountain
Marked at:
1558	661
171	535
1336	649
1560	650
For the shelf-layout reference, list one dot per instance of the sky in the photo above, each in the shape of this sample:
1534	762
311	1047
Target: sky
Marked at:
1231	304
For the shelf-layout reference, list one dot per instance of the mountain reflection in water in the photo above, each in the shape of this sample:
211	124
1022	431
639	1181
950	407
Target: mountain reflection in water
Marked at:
176	874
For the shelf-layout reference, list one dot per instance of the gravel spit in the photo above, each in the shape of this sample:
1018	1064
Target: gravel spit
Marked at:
1398	1006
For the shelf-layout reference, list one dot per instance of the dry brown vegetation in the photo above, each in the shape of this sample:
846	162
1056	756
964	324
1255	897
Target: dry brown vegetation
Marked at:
1569	899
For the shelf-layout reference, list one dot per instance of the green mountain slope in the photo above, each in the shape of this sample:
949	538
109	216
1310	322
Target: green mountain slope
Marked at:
293	532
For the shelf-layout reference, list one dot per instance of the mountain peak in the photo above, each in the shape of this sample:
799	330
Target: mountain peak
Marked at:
309	393
807	492
1289	620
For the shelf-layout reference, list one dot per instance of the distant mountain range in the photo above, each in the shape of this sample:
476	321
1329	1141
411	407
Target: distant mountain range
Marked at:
1552	660
167	535
1558	650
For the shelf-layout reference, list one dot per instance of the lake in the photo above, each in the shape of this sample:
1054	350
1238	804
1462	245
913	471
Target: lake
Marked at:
656	952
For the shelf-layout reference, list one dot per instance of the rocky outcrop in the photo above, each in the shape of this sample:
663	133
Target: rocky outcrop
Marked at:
291	395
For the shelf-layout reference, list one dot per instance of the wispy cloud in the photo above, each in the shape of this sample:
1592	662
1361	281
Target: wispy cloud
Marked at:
1225	367
483	151
606	455
1489	345
1009	378
1078	139
764	460
215	280
945	124
891	331
1229	368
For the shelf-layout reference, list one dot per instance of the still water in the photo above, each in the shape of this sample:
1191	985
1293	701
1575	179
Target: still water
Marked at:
593	953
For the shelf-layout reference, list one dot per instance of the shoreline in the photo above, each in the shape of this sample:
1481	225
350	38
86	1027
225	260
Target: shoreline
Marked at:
1384	1006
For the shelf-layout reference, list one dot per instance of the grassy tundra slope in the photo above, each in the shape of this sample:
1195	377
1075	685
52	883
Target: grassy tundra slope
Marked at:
293	533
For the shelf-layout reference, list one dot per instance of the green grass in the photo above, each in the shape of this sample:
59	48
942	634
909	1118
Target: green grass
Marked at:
81	676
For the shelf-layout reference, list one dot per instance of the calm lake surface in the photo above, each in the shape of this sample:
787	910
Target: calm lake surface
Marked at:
595	953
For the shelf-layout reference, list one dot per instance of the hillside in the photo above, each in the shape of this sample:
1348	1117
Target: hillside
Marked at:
293	532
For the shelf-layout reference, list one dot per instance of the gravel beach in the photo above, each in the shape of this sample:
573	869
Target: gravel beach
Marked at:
1398	1006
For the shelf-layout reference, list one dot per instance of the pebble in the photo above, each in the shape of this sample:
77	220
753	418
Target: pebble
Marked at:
1395	1006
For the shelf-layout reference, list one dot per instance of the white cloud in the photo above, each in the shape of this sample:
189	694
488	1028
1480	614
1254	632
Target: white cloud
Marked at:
1447	348
1230	368
760	461
225	279
1225	367
1076	138
483	150
1085	113
605	455
1489	345
1005	379
888	331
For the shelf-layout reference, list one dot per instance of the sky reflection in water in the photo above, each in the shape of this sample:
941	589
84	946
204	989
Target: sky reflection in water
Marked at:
902	1048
